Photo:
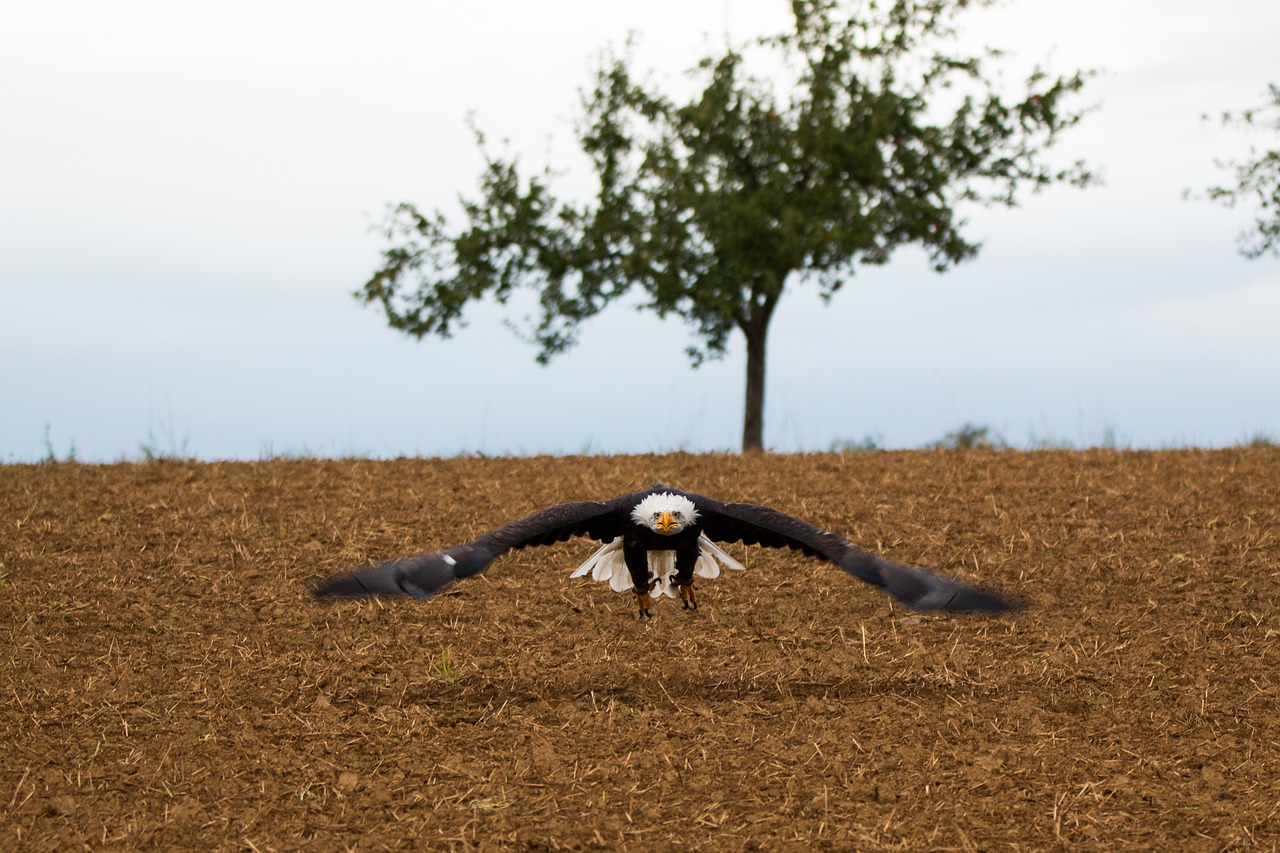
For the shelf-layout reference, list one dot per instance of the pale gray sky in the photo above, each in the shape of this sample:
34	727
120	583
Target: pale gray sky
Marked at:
186	192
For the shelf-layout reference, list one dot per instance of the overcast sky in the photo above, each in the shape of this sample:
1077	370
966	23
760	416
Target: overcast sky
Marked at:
187	190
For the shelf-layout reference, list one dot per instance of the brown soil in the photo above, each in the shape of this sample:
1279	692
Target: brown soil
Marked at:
169	683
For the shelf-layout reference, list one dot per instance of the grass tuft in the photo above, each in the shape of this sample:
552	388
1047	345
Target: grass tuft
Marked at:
50	455
446	669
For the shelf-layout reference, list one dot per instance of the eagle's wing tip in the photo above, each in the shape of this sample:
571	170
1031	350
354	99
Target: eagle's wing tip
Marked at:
989	604
922	590
963	599
339	586
421	577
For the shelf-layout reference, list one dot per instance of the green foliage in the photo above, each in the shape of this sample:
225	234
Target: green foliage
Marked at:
1256	179
870	141
1044	442
971	437
1260	440
866	444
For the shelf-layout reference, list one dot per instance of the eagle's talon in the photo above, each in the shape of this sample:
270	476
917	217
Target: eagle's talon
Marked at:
688	599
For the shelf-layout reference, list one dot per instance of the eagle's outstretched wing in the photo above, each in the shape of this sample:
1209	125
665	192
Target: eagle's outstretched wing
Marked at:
425	575
915	588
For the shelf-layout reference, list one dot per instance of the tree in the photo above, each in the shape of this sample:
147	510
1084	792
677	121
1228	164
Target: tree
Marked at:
867	141
1257	178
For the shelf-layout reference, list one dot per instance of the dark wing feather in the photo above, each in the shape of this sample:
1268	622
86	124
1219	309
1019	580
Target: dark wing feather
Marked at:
916	588
425	575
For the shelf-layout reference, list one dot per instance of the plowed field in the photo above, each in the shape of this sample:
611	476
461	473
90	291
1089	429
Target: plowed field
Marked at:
168	683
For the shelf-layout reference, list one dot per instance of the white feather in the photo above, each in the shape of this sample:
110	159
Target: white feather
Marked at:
608	565
598	560
706	567
662	571
620	577
712	552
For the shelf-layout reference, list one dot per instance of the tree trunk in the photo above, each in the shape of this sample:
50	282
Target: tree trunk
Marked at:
753	415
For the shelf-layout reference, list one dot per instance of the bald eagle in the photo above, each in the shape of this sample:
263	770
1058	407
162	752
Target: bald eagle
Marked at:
655	543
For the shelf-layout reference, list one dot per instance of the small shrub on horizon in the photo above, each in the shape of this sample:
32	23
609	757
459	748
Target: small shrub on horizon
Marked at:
1038	443
866	444
971	436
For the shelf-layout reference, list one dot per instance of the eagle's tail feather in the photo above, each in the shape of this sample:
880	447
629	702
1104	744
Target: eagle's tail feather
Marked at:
606	564
714	556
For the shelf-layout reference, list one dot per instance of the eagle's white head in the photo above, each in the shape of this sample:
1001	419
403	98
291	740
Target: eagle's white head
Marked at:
665	513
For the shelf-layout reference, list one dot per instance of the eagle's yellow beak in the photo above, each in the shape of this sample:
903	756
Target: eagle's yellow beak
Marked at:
666	522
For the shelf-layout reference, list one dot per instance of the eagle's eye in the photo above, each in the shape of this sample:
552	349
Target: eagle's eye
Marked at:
677	515
657	515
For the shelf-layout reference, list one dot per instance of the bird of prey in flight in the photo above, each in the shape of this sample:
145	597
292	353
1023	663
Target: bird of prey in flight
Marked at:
656	542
